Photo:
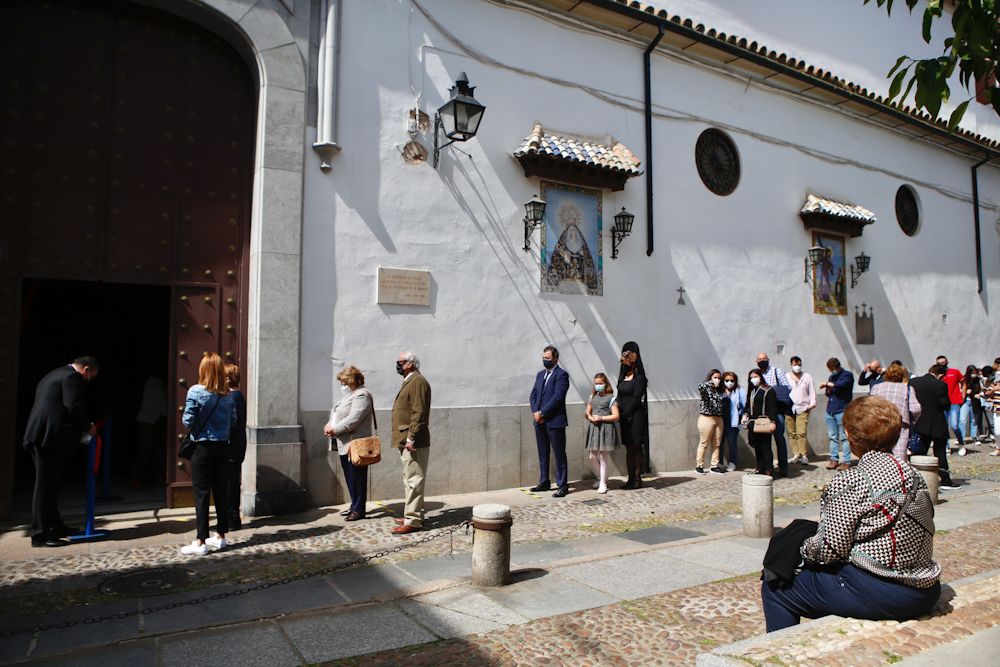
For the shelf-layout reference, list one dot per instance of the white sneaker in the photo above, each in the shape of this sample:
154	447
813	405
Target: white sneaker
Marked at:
961	451
602	489
216	543
731	467
194	549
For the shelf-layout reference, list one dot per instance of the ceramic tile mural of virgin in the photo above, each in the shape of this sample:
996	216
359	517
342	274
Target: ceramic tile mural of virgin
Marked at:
571	240
829	279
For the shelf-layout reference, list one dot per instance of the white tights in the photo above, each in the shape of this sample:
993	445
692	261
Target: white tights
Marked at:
599	461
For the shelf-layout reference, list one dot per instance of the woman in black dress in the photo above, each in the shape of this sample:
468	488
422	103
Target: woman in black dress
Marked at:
761	402
631	390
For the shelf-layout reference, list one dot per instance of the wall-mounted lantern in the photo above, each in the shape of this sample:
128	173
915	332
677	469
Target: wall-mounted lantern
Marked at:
534	211
459	117
817	254
621	229
861	261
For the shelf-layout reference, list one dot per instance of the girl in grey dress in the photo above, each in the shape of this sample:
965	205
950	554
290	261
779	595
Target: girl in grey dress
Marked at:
602	429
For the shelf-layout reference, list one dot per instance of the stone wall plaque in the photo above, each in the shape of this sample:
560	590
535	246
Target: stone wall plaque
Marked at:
405	287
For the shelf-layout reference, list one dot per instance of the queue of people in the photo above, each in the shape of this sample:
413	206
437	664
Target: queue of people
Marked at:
771	403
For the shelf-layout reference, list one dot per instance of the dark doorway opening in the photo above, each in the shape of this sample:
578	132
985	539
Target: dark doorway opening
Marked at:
127	328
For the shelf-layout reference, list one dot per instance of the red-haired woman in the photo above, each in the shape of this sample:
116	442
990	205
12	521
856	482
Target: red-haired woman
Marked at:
209	415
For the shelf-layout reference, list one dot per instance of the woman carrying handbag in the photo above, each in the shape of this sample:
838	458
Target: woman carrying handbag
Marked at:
760	418
351	419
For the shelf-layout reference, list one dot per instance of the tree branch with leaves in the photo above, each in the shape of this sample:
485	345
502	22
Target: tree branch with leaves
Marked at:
973	49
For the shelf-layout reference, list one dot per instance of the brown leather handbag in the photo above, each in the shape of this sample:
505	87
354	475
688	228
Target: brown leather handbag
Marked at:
366	451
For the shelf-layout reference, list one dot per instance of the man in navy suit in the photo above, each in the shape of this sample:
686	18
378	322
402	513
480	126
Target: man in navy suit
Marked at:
548	408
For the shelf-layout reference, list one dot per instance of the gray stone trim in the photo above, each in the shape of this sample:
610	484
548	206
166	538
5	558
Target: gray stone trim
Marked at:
274	435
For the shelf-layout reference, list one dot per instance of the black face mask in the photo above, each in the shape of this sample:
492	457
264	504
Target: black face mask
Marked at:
399	367
762	365
548	363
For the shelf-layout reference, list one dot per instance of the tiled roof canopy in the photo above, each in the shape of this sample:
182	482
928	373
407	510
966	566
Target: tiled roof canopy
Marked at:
833	216
579	160
641	18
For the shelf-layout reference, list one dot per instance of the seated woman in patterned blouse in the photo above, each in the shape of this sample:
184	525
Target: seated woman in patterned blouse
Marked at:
871	557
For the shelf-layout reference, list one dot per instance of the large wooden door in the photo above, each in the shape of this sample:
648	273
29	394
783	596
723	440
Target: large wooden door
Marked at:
126	140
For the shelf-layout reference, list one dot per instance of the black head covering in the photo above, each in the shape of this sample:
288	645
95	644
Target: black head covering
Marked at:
631	346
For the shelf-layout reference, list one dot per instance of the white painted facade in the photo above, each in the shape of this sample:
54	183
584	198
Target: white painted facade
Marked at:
738	258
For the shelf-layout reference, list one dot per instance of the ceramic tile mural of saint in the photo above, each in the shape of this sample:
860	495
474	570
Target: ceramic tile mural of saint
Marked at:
571	240
829	277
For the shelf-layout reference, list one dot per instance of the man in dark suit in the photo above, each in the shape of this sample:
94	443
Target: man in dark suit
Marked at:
411	413
548	408
932	426
56	424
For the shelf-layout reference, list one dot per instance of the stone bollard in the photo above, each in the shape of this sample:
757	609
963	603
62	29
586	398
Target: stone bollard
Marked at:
491	545
758	505
927	466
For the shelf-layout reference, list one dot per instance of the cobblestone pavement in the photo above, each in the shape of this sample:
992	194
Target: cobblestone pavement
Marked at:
271	553
673	628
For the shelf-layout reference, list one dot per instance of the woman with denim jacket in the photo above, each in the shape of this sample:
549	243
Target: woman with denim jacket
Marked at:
209	415
737	400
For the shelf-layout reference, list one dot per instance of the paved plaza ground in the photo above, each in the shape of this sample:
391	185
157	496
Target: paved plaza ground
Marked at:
660	575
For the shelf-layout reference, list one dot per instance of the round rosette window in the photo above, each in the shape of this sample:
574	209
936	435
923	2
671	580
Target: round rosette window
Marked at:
718	162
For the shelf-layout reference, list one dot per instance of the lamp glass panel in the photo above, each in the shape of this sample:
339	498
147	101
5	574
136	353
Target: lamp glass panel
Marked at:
534	210
863	260
447	113
816	254
467	118
623	221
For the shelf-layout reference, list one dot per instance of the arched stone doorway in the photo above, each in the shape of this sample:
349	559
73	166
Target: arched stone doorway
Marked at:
128	154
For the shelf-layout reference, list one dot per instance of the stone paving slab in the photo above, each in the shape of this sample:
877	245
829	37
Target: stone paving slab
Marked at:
372	583
473	603
306	595
547	595
447	623
542	552
133	653
259	645
629	577
659	535
456	566
370	628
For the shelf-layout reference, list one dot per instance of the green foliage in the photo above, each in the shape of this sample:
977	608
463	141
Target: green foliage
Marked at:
974	49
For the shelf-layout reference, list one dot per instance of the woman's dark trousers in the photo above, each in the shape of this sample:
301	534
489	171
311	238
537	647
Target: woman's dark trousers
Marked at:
844	591
761	443
210	477
356	478
733	440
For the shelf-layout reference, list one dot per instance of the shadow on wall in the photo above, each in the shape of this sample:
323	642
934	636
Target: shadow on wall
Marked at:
890	341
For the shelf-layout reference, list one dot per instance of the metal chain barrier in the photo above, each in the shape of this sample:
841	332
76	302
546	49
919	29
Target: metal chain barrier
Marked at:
243	591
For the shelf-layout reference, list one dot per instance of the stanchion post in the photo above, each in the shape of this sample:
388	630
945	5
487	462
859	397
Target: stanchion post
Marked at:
758	505
89	532
927	466
491	544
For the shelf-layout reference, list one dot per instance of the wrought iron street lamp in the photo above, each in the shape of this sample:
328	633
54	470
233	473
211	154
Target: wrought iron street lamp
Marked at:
861	261
459	117
534	211
621	229
817	254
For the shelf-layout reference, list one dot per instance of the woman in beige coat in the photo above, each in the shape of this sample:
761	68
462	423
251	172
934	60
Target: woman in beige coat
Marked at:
350	418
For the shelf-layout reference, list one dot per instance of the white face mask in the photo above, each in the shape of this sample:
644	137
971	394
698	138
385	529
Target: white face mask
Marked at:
345	390
716	381
796	369
730	384
755	381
